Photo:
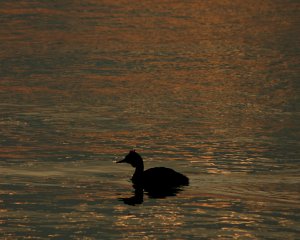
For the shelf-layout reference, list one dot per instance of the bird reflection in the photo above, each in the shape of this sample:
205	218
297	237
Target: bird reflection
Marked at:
159	182
138	197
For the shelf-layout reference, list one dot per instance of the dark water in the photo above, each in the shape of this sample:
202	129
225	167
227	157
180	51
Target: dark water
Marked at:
209	88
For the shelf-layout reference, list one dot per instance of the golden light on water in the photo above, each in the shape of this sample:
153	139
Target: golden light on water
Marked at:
205	87
165	219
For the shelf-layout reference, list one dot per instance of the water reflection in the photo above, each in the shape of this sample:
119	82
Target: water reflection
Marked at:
164	220
210	87
138	197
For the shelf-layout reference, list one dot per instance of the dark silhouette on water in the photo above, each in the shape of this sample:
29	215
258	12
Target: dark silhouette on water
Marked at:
158	182
137	198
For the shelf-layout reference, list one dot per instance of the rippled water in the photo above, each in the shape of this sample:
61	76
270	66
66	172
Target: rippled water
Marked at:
209	88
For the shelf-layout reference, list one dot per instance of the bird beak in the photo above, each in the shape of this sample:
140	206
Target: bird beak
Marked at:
121	161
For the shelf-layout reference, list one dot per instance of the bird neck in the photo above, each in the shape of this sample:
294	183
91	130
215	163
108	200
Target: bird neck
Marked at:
138	173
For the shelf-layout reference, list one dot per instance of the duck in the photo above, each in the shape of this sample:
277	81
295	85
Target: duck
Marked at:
157	179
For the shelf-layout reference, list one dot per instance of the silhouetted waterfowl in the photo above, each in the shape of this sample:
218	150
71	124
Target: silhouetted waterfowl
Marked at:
157	181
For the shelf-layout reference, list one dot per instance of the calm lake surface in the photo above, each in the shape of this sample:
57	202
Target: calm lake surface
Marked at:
209	88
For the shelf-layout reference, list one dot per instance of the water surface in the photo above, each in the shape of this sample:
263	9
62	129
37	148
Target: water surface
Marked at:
209	88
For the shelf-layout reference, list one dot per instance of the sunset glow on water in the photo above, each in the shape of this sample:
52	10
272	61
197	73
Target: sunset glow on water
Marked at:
208	88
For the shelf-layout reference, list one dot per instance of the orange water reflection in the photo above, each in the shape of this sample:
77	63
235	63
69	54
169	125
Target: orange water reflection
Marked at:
205	87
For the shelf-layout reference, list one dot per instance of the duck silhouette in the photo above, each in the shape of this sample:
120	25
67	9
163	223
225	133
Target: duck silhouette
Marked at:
158	182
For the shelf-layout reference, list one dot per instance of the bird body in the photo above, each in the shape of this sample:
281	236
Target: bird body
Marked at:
153	179
163	177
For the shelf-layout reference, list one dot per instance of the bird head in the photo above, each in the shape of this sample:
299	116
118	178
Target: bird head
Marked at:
132	158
